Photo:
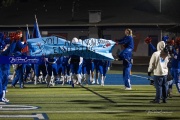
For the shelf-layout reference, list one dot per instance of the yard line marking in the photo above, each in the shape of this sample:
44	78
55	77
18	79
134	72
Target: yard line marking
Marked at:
39	116
2	103
17	107
140	76
85	111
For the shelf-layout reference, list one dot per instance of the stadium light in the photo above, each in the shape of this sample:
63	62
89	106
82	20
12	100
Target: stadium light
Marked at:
160	6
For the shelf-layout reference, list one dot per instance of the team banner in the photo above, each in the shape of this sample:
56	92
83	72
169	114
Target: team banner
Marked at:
56	47
21	59
88	48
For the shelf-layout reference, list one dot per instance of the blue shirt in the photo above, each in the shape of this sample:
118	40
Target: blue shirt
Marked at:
127	41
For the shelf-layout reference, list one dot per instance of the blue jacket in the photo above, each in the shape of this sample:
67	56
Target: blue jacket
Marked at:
127	41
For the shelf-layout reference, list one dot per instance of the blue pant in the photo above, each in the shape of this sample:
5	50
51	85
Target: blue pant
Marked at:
126	54
19	76
90	67
27	68
61	69
84	71
126	75
5	74
38	68
103	69
160	83
176	75
76	68
52	69
170	84
1	89
67	69
5	71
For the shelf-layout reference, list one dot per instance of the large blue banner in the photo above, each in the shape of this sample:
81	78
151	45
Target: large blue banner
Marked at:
88	48
54	46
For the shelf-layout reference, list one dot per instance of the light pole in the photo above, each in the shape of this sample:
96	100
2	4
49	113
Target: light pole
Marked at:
160	6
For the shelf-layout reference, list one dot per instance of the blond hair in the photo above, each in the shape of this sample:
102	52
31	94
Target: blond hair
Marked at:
129	32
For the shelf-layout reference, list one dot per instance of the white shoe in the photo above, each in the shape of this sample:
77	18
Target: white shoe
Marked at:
53	84
35	82
128	88
77	83
5	100
97	82
93	82
102	82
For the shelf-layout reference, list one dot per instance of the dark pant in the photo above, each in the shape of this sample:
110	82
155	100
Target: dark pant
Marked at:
160	83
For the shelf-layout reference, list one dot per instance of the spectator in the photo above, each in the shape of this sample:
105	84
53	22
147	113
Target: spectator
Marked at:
158	65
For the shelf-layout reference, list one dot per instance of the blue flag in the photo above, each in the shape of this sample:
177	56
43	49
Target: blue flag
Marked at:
27	34
36	32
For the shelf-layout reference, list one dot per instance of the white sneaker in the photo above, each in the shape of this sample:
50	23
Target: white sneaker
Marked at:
97	82
53	84
128	88
93	82
102	83
5	100
35	82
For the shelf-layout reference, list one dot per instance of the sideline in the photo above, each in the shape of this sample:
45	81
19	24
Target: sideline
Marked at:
38	116
16	107
140	76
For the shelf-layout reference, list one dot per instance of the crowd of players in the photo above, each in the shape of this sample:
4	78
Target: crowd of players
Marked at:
74	69
65	69
51	69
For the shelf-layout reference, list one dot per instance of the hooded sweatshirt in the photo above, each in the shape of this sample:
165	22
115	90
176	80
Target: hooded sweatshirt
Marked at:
157	64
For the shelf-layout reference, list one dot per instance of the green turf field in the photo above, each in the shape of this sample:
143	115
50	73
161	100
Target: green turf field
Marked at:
88	103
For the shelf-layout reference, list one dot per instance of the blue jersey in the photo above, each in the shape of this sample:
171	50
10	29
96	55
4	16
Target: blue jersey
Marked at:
52	59
176	62
63	60
127	41
19	46
42	61
5	66
104	63
2	44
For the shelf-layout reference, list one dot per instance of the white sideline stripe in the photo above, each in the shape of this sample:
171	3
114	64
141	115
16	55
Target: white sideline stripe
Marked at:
84	111
2	103
121	85
39	112
139	76
17	107
39	116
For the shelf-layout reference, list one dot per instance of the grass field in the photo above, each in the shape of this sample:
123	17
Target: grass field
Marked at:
91	102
